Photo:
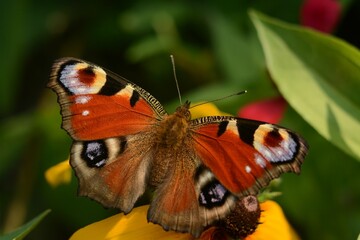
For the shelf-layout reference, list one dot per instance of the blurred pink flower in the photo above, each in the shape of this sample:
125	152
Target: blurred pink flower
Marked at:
268	110
322	15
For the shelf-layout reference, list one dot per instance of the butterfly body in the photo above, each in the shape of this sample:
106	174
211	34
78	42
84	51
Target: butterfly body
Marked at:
124	142
174	128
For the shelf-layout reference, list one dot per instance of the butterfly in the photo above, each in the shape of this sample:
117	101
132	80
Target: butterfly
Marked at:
125	142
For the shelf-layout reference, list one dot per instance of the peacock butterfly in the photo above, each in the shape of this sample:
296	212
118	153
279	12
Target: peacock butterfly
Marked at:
124	141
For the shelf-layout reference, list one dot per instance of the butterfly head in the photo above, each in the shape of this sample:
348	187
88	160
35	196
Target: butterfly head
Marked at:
183	111
173	129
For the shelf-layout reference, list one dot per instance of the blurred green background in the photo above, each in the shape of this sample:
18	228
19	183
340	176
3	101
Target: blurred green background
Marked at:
216	52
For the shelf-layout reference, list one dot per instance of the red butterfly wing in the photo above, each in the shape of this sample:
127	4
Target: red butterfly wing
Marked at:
246	155
111	122
91	98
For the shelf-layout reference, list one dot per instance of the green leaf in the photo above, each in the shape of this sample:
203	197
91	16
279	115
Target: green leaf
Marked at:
319	75
237	52
25	229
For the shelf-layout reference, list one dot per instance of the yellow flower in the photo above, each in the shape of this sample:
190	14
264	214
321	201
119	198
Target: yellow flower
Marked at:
207	109
273	226
131	226
59	174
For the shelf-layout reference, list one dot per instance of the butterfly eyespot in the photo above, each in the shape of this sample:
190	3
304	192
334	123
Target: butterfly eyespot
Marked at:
276	145
95	153
213	194
273	138
87	75
89	71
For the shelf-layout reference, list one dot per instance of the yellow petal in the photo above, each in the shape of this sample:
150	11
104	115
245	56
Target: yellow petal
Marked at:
207	109
127	227
59	174
274	225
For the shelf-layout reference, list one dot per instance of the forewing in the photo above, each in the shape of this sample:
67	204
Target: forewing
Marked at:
96	103
245	155
110	120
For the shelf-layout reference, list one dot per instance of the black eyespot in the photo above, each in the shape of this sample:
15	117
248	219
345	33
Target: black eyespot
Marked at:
213	194
95	153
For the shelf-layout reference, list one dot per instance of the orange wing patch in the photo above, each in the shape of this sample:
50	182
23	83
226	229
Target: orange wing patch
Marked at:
92	98
91	120
230	159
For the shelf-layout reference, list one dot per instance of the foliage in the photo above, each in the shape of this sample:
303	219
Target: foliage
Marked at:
24	230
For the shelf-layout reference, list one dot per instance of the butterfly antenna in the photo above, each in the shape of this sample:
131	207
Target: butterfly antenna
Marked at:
176	81
222	98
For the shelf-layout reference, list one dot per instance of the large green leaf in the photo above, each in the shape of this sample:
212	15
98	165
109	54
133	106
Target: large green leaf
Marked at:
319	75
25	229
